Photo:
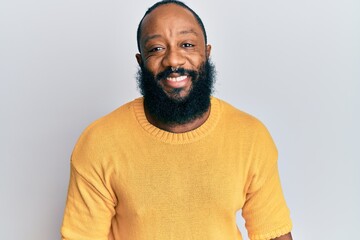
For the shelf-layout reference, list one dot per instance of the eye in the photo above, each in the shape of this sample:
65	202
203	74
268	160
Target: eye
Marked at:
156	49
188	45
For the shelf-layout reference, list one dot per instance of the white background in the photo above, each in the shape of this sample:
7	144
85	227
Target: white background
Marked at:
293	64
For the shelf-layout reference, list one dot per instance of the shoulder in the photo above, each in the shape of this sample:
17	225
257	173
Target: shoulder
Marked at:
110	123
239	120
104	134
246	130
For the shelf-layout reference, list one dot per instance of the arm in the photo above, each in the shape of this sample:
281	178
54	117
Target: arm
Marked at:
88	210
265	211
91	201
284	237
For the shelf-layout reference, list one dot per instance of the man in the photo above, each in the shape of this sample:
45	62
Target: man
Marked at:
177	163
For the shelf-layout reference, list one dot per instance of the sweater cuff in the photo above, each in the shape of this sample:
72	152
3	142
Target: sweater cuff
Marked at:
273	234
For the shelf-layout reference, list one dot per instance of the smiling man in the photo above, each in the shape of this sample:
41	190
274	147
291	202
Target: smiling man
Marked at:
176	163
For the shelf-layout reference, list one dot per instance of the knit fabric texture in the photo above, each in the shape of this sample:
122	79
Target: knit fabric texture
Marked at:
133	181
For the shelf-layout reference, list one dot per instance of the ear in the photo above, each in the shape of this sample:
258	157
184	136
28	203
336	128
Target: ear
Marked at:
139	59
208	50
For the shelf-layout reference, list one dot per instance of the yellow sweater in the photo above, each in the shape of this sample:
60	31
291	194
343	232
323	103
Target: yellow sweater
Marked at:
132	181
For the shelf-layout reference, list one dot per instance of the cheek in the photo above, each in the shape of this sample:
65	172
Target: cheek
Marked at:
153	65
196	60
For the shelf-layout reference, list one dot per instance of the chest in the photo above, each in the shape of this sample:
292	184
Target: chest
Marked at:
181	179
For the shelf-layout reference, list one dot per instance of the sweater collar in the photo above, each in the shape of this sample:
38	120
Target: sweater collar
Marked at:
177	138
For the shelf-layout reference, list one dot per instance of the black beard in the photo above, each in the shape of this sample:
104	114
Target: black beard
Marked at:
176	109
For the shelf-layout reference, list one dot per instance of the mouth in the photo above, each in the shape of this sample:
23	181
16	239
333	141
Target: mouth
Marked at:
177	81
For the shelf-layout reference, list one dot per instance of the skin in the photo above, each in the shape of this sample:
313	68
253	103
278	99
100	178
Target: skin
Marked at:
171	37
284	237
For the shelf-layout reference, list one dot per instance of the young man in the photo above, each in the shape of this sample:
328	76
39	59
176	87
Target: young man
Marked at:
177	163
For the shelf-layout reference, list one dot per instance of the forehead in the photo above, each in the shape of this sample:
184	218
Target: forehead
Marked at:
169	18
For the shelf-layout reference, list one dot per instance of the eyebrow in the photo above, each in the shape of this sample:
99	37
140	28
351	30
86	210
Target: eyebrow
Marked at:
148	38
183	32
191	31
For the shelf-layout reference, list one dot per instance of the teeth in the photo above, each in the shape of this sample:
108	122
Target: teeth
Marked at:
176	79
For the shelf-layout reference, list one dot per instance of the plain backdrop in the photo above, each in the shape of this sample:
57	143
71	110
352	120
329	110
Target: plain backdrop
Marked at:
293	64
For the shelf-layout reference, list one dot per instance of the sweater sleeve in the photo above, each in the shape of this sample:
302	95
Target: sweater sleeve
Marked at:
265	211
88	212
90	204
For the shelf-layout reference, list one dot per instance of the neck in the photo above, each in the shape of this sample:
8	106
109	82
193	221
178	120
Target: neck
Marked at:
178	128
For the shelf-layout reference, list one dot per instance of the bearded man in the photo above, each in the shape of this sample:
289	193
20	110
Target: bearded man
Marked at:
176	163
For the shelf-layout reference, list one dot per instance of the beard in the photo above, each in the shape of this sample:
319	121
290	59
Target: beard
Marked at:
172	108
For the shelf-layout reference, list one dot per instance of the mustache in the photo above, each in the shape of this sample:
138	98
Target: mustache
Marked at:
182	71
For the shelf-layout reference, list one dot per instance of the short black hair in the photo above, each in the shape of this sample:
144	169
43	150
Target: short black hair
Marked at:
163	2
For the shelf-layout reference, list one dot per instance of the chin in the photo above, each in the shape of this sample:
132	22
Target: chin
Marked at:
178	94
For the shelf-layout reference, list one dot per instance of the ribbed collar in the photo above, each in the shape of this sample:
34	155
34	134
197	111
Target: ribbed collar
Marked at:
177	138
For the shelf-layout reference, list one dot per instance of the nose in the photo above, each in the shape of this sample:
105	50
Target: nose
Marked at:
173	58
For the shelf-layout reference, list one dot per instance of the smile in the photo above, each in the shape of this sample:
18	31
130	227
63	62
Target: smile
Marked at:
176	79
172	82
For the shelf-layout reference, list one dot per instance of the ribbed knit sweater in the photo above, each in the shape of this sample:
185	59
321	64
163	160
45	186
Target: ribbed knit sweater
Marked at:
133	181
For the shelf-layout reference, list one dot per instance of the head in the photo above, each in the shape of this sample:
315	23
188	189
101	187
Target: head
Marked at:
175	75
160	3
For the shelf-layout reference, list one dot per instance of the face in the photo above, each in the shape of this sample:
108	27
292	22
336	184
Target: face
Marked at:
172	38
